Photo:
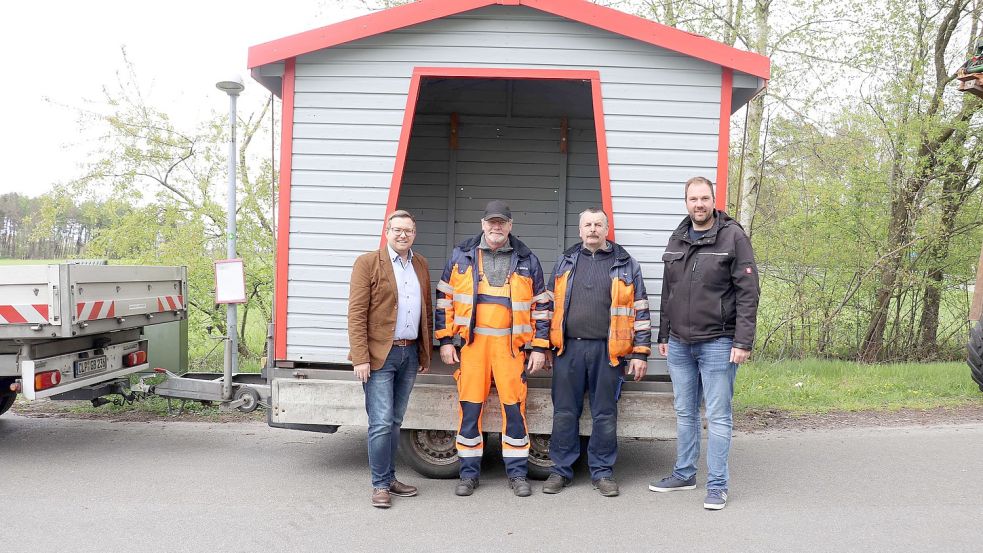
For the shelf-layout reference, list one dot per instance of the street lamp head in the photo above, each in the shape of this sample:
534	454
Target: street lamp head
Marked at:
231	86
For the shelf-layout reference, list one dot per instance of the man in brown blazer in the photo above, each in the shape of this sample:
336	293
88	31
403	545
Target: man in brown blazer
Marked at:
390	317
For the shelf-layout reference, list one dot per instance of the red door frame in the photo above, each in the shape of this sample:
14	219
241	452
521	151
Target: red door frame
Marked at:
723	136
420	73
282	253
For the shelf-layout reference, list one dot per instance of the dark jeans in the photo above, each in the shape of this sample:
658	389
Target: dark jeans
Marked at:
387	393
584	367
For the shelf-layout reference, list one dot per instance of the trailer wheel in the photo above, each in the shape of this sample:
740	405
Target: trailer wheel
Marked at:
539	456
250	398
975	353
6	401
430	452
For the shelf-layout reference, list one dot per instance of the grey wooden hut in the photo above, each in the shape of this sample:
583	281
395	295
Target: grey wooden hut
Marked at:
441	105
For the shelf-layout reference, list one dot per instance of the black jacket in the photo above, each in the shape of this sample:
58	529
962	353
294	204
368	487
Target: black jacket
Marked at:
710	286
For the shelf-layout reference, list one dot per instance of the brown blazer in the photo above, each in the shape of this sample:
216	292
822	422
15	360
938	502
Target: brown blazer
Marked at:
372	309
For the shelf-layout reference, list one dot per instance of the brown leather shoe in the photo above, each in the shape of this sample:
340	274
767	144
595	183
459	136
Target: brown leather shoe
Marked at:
400	489
381	498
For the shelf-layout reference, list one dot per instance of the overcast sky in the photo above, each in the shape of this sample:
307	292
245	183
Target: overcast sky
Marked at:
66	51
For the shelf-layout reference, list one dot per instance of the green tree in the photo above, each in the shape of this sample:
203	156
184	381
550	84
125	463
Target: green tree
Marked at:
164	186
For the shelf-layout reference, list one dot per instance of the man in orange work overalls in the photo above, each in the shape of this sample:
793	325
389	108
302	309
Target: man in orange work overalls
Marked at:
492	294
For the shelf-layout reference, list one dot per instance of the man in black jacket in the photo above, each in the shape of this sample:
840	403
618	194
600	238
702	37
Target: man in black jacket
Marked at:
706	329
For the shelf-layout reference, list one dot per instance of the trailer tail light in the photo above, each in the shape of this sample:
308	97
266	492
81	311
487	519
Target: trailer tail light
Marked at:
47	379
134	359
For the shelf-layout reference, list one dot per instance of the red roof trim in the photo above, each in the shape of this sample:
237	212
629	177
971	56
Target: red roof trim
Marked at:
577	10
359	27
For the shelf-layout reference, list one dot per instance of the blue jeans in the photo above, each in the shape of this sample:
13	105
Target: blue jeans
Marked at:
387	393
584	366
703	369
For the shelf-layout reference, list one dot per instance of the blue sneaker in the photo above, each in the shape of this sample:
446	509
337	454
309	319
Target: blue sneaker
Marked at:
715	500
673	484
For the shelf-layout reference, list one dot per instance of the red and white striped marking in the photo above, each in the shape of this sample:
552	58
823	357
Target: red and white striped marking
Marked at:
92	310
24	314
170	303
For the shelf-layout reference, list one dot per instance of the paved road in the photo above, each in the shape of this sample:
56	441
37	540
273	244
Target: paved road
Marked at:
75	485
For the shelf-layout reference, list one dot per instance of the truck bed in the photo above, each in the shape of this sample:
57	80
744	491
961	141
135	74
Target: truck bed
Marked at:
44	302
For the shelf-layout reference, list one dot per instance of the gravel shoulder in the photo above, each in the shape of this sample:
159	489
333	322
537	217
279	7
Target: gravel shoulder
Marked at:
765	420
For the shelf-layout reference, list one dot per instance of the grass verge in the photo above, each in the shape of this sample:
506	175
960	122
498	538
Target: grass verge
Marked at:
820	386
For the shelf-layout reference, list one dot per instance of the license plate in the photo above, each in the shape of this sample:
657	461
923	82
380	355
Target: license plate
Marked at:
93	365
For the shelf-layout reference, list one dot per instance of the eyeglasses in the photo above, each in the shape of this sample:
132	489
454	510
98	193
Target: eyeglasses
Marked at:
403	231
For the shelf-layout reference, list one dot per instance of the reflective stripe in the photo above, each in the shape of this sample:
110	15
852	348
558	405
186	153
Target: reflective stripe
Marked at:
514	452
544	297
445	287
463	298
643	325
515	442
470	453
444	304
641	304
469	441
521	305
519	329
541	315
626	311
493	300
464	321
491	331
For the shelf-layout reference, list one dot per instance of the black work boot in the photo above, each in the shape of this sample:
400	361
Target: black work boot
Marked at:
607	486
555	483
466	486
520	486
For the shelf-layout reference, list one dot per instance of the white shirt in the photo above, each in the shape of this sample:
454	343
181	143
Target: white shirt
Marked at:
408	310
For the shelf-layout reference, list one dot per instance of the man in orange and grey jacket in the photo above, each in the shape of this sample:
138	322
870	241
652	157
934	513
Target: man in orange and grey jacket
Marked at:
493	297
600	330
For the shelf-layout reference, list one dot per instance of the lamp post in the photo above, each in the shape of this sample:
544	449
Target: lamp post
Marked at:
232	86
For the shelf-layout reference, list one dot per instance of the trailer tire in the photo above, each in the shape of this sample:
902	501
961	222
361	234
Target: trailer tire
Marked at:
975	354
6	402
540	464
430	452
251	398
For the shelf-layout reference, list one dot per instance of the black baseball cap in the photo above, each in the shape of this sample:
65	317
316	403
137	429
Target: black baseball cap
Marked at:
497	209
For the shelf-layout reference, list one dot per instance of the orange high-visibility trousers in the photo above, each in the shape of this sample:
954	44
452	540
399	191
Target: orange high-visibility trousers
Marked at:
490	355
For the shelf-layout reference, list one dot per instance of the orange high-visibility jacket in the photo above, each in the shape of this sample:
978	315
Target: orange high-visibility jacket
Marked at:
457	294
630	333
